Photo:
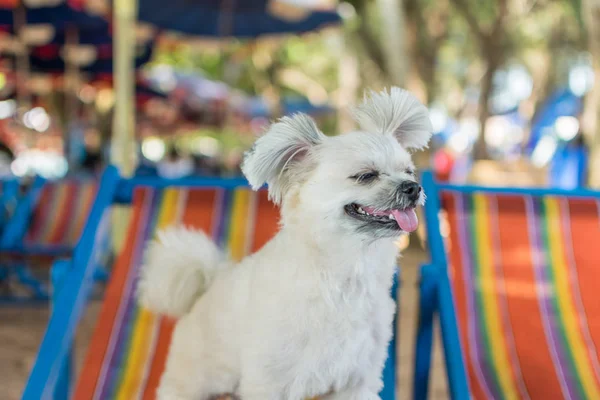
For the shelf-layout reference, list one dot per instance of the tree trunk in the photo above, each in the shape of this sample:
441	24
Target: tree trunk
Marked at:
480	151
394	46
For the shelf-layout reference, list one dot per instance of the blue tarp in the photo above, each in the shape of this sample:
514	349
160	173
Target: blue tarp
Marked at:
257	107
561	103
568	169
220	18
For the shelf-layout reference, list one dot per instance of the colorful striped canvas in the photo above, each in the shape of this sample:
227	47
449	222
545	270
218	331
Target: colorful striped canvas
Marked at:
525	280
128	350
60	213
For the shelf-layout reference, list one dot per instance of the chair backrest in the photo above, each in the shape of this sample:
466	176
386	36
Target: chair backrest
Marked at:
524	270
128	349
60	213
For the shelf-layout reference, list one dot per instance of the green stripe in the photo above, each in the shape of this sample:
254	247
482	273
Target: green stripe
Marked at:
572	372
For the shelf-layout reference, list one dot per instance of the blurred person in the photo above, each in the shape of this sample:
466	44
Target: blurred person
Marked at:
174	165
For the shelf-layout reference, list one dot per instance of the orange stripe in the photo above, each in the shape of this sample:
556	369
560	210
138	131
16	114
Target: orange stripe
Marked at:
199	210
523	308
88	379
266	221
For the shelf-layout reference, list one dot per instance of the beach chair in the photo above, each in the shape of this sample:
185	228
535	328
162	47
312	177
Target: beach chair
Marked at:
514	278
46	224
126	356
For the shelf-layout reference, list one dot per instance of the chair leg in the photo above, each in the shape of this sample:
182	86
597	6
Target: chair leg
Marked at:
389	371
62	390
428	287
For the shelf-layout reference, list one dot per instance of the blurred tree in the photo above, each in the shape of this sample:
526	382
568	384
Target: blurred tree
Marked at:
428	29
591	15
425	30
487	23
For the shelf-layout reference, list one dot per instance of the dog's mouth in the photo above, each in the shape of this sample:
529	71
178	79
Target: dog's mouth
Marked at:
405	219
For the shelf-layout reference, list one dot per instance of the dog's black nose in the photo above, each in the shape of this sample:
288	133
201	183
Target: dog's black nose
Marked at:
411	189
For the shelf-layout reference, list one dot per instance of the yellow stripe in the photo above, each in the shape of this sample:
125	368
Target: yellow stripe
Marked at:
144	324
488	288
567	309
239	219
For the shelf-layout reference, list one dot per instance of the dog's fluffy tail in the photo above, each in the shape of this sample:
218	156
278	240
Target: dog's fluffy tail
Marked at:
179	267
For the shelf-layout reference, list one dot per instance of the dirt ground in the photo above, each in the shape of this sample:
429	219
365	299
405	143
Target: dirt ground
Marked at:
21	330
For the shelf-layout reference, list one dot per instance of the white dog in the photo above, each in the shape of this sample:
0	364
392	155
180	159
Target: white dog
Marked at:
310	313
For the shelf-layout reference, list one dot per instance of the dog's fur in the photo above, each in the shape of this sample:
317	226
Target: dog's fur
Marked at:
310	313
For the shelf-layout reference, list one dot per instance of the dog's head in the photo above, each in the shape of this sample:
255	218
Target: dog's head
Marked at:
358	183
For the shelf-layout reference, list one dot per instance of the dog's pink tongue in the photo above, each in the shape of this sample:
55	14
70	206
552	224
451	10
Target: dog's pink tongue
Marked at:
406	219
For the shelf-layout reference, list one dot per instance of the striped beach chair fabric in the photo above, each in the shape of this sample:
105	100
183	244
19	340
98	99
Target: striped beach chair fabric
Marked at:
516	282
128	350
46	224
60	214
50	219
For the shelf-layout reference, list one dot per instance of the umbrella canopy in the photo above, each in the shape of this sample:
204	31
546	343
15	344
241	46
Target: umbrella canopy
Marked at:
222	18
60	16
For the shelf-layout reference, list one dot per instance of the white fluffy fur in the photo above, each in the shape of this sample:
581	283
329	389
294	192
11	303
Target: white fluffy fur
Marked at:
193	261
310	313
286	142
397	112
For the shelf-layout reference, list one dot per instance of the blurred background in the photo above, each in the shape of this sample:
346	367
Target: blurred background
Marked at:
183	88
509	83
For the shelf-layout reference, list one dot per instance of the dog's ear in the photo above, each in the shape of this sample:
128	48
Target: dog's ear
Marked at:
279	152
396	112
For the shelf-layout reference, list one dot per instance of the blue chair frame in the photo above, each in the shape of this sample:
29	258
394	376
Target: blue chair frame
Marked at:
435	297
51	375
8	199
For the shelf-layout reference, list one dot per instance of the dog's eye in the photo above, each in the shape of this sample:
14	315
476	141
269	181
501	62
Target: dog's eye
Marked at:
366	177
410	171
